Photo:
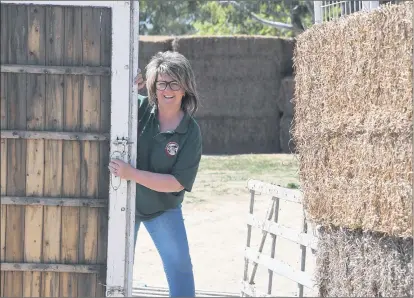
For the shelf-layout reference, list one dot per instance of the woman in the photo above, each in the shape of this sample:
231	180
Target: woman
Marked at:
169	153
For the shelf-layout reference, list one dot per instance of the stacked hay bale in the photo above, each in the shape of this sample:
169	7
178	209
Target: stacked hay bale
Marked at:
148	47
353	134
285	103
238	79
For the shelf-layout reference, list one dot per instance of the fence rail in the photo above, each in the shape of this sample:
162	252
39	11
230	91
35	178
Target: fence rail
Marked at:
326	11
271	226
330	10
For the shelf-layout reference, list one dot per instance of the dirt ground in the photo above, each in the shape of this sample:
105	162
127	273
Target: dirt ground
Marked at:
217	233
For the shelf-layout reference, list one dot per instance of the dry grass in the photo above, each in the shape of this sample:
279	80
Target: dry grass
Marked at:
220	176
364	264
353	120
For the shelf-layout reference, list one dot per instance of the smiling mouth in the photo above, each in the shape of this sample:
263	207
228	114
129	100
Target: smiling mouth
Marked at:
168	97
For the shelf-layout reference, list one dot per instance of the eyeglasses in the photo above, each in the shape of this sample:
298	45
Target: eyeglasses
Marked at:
162	85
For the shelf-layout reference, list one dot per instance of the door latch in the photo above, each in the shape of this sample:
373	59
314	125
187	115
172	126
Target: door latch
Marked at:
122	141
119	152
115	292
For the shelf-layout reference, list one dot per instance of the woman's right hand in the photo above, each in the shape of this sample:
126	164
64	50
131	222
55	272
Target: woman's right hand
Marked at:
139	80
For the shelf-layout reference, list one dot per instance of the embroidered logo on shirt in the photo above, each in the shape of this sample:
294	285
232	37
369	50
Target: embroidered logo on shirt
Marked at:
171	148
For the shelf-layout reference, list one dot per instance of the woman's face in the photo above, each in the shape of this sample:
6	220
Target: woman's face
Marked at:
169	92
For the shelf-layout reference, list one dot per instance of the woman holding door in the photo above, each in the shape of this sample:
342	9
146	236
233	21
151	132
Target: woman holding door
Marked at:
169	153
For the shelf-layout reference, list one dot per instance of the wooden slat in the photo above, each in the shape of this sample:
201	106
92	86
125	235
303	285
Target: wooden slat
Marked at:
5	31
279	268
71	150
263	240
249	235
16	149
285	232
53	149
251	291
273	249
105	126
54	201
56	70
3	142
90	150
3	175
303	256
3	220
54	268
283	193
53	135
35	96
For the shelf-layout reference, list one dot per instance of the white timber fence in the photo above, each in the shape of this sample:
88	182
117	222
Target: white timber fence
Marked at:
304	236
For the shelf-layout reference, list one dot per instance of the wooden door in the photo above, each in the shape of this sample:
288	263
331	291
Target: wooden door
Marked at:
55	133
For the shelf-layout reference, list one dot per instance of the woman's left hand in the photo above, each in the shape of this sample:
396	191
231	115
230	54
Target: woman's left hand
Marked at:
120	169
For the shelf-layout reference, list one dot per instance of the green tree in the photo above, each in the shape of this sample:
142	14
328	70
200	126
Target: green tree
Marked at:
168	17
203	17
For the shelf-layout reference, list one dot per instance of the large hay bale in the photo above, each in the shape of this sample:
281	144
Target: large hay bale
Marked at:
363	264
287	89
236	75
148	47
239	135
287	144
353	120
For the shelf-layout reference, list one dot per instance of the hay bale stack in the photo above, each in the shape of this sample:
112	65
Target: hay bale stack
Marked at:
286	141
238	79
148	47
231	135
236	76
353	120
285	105
363	264
287	89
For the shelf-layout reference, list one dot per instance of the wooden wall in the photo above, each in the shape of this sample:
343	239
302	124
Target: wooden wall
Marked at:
55	123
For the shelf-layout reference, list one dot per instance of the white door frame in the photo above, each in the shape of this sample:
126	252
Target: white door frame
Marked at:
124	120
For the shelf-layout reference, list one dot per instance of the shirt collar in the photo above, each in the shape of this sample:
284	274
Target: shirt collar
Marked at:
182	127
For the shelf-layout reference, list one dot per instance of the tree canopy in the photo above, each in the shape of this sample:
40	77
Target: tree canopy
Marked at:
203	17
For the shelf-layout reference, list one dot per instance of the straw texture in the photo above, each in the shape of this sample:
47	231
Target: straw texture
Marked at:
363	264
353	120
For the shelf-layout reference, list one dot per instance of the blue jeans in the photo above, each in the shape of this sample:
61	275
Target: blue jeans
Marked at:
170	238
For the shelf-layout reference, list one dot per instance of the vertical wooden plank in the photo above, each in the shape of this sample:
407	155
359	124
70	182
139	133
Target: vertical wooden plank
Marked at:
272	252
71	150
53	148
105	126
262	242
3	212
3	142
35	149
249	235
16	149
303	253
90	150
3	178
